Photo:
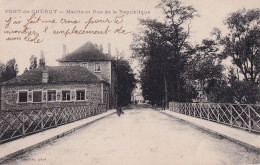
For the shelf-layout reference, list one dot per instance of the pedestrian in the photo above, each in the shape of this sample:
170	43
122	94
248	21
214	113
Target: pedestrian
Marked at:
163	105
119	111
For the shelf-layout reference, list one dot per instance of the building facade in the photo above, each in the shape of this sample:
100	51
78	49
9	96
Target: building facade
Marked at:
59	86
84	77
99	63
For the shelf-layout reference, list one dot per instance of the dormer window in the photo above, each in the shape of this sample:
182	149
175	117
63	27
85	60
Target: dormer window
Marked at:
97	67
84	64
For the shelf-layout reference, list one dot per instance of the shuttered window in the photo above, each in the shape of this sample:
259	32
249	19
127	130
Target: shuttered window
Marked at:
37	96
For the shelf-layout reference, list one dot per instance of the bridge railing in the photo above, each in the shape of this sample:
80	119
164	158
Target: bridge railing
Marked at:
243	116
19	123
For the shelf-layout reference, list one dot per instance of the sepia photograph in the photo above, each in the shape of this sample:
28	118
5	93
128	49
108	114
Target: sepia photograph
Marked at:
133	82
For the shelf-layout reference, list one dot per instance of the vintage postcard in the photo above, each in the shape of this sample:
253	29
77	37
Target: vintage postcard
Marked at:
133	82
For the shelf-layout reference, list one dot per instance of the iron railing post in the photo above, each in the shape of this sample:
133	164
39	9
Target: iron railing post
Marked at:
249	120
41	120
23	127
208	113
186	106
194	111
218	114
200	108
65	116
55	117
231	117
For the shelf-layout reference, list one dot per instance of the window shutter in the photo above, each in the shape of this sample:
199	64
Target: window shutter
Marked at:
30	96
59	95
44	96
86	94
73	95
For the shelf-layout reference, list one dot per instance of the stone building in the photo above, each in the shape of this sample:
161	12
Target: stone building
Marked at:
99	63
58	86
84	77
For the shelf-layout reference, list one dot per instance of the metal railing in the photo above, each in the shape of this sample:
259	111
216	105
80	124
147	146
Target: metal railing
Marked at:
19	123
243	116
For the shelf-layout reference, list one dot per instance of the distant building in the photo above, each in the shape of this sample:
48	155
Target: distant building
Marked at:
202	96
139	99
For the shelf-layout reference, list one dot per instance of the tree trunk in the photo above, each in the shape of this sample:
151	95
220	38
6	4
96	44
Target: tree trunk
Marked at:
166	93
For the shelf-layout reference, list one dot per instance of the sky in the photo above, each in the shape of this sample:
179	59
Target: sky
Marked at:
212	14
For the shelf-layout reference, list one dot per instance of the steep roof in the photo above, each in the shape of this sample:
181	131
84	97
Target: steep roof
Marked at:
87	52
57	75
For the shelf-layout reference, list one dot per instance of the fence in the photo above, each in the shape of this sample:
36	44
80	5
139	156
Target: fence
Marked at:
243	116
15	124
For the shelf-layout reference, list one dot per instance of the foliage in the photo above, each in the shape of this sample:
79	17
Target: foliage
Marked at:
125	81
25	70
33	62
161	47
8	71
42	60
206	72
242	42
243	91
204	66
152	83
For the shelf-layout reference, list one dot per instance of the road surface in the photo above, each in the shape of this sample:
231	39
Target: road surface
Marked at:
141	136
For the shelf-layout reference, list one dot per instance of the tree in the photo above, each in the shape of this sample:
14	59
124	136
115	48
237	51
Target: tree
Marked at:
152	84
42	59
204	64
9	71
125	81
242	42
101	48
25	70
243	91
2	69
33	62
205	70
165	43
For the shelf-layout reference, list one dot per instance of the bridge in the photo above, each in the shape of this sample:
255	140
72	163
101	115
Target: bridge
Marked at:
142	135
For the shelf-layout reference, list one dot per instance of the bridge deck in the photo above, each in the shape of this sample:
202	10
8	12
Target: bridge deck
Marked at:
140	136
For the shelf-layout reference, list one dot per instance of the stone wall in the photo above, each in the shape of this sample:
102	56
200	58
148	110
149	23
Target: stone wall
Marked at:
9	95
105	72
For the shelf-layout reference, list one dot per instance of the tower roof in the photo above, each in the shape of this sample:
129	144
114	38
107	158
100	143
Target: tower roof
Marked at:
87	52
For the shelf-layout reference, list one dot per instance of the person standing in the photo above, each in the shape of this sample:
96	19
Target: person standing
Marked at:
119	111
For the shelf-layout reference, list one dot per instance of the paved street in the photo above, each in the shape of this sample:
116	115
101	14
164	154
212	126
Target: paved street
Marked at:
140	136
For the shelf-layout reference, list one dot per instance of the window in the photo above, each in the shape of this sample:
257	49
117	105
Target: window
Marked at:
80	95
66	95
37	96
97	67
71	64
85	64
52	95
23	96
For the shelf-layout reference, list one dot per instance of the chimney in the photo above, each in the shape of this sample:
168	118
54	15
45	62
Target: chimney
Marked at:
109	49
45	75
64	50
